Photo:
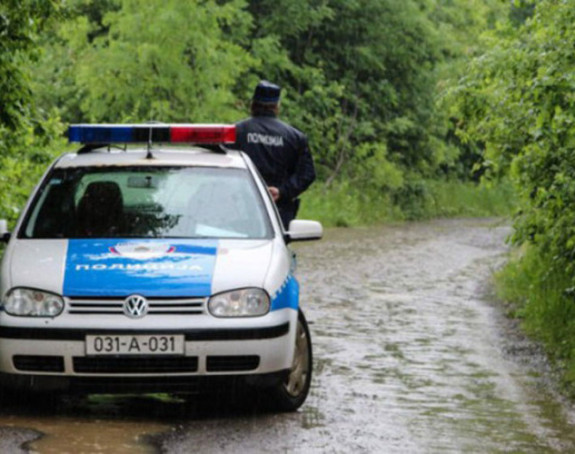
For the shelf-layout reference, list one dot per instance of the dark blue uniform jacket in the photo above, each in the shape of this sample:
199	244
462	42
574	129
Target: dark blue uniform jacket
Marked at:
281	154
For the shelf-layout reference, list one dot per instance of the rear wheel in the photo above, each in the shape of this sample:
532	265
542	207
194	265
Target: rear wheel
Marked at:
291	393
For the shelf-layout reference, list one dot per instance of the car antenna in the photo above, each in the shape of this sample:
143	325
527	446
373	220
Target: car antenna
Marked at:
149	155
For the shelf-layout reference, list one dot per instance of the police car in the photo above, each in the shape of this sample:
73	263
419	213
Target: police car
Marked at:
151	259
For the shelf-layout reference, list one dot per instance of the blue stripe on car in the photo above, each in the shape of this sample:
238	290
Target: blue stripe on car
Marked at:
116	268
287	296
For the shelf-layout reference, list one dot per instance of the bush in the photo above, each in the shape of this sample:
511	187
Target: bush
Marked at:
347	204
541	297
24	157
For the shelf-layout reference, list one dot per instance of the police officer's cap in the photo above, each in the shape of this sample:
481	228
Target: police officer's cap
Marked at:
266	92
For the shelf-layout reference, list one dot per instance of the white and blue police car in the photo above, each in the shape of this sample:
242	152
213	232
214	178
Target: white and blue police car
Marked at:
151	259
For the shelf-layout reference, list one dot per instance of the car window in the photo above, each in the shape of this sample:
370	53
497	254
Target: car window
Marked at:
148	202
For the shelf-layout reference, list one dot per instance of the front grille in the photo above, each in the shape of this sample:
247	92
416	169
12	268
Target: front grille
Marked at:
135	365
156	306
232	363
38	363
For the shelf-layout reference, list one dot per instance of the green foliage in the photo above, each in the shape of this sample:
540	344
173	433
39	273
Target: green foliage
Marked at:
179	67
26	135
353	72
541	296
366	64
518	102
30	154
426	199
347	204
360	77
456	198
20	21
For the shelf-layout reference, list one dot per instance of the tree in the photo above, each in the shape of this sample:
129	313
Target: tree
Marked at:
20	22
355	72
518	100
22	126
180	66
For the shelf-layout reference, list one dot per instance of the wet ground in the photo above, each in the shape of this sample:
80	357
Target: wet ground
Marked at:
411	355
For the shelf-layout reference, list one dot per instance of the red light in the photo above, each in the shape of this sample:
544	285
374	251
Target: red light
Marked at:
209	134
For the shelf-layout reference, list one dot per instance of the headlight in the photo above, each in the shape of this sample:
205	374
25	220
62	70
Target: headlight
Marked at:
26	302
248	302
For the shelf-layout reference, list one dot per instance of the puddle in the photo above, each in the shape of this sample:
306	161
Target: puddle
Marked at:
94	424
96	436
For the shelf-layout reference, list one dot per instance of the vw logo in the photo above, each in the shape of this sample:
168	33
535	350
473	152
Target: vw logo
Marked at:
135	306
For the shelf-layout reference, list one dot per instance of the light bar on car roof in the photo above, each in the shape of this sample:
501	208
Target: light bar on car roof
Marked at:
175	133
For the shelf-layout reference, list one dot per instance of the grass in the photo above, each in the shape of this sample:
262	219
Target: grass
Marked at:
451	199
346	205
541	297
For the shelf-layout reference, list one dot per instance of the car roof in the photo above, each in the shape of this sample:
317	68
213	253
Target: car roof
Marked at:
179	156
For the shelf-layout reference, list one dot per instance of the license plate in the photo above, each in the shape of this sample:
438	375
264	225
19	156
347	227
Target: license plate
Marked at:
157	344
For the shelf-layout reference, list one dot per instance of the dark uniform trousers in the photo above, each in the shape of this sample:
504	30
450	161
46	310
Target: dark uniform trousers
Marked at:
282	156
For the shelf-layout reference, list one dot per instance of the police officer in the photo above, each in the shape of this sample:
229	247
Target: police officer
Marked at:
279	151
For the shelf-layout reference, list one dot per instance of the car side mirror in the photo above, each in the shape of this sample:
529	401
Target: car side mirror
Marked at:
4	233
300	230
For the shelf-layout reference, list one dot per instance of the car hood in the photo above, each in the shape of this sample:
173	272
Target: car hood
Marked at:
152	268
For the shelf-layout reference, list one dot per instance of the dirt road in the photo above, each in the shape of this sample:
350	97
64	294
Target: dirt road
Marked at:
410	356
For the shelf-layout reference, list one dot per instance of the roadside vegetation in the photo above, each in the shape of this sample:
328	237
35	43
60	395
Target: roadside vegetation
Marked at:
518	100
346	205
364	79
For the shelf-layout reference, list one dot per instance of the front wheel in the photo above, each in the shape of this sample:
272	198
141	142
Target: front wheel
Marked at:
291	393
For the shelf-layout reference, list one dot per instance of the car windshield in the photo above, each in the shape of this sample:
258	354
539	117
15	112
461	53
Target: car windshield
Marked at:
147	202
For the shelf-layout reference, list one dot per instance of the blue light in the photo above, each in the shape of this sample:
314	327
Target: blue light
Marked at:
100	133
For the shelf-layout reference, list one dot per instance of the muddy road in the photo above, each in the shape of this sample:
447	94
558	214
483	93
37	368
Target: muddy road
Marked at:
410	356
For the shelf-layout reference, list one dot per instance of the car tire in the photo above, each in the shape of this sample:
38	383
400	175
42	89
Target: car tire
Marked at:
291	393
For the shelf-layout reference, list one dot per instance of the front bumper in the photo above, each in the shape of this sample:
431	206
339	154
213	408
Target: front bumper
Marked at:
131	385
55	358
